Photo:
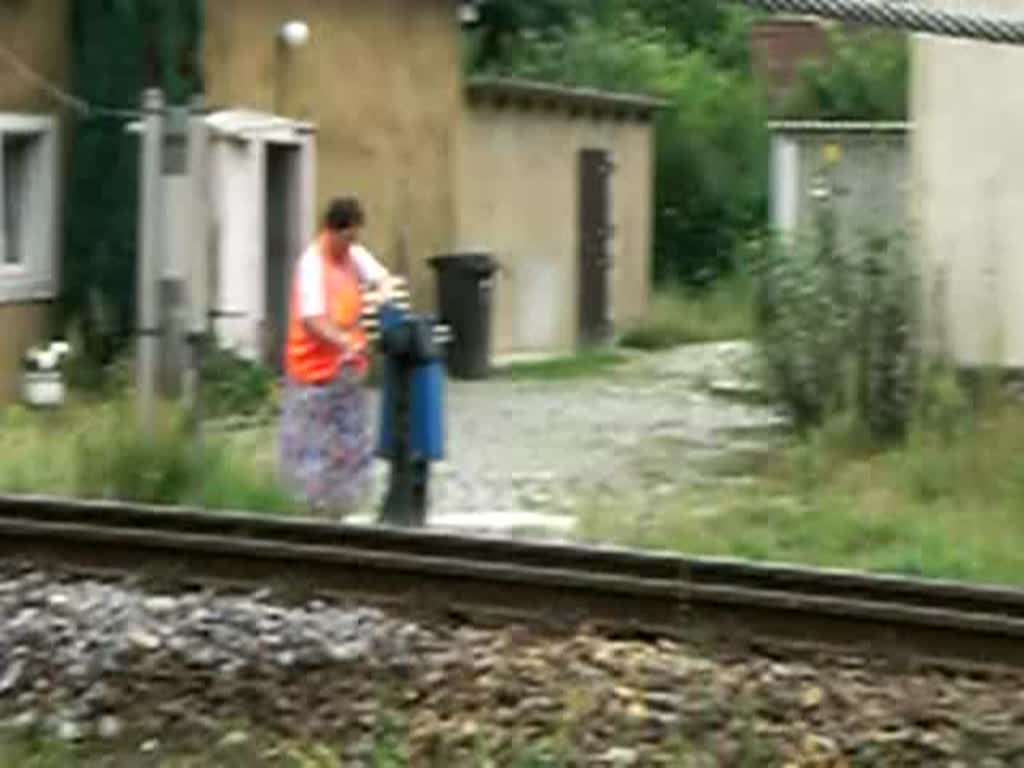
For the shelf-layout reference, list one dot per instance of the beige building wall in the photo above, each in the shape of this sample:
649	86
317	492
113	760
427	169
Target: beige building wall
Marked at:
381	80
518	195
23	325
35	31
967	159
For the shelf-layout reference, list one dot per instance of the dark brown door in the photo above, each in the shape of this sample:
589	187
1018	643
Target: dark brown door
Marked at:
282	167
594	241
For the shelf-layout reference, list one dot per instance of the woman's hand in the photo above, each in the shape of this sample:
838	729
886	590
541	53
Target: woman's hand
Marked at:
381	291
359	373
332	333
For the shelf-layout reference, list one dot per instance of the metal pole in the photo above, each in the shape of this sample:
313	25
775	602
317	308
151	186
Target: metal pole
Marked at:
398	501
197	268
149	254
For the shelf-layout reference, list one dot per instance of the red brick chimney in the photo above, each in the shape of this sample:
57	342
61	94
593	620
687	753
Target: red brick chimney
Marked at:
778	46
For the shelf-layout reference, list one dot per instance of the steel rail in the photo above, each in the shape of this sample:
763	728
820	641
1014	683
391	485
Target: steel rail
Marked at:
543	583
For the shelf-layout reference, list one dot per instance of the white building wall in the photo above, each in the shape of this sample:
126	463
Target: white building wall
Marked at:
968	158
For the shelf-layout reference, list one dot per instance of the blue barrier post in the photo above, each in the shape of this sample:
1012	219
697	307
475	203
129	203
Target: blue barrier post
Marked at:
411	427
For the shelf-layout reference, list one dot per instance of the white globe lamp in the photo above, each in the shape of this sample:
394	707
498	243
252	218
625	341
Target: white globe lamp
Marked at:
295	33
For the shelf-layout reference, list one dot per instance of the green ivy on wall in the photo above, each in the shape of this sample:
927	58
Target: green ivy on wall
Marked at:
117	49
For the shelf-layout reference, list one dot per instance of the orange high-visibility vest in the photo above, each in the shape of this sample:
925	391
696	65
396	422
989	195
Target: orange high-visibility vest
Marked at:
308	358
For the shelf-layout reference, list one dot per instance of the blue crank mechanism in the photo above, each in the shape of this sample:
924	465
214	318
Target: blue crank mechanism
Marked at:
411	419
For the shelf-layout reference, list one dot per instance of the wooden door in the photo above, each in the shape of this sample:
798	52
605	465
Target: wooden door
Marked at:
594	245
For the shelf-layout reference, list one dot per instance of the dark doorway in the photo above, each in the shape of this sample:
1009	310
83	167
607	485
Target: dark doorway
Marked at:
281	251
594	236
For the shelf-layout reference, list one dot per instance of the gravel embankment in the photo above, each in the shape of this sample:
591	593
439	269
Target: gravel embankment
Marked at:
99	660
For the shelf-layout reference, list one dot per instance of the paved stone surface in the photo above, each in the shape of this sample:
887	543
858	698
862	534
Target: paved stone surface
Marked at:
524	454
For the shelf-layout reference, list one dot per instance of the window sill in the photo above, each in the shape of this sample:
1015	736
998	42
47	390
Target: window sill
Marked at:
26	288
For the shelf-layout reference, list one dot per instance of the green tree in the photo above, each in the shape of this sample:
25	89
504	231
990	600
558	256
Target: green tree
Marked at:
502	22
721	29
865	77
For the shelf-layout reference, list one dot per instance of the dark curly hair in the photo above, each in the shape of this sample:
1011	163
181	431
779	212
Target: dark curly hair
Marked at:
344	213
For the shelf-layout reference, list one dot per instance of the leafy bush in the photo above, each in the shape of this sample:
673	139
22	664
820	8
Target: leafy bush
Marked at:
95	366
708	24
866	77
229	384
836	329
885	341
233	386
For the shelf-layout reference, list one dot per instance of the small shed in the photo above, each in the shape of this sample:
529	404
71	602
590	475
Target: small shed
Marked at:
867	165
557	183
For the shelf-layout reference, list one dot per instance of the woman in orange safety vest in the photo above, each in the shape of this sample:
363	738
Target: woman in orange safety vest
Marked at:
325	447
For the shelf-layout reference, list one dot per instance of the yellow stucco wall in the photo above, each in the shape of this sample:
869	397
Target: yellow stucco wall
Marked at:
518	198
35	31
21	326
381	80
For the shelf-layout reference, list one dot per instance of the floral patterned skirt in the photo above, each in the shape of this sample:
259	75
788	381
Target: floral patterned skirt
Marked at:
325	450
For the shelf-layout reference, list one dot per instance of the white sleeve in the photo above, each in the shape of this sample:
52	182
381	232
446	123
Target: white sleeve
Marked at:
369	269
311	284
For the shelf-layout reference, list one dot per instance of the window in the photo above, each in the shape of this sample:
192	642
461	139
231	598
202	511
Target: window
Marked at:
28	207
17	149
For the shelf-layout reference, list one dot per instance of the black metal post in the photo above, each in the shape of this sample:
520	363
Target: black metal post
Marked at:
405	503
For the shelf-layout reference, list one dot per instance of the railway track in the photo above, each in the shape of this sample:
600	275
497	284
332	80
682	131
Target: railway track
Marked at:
553	585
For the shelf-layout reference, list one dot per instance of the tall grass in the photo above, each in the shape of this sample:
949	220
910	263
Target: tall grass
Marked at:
684	315
96	451
895	465
585	364
946	503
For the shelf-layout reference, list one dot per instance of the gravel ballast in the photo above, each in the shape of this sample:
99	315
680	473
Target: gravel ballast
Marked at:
84	659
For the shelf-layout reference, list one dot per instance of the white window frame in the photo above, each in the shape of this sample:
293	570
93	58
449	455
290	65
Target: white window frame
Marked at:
35	278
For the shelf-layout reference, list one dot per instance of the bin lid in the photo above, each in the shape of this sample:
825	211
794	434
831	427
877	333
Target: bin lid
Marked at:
477	261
